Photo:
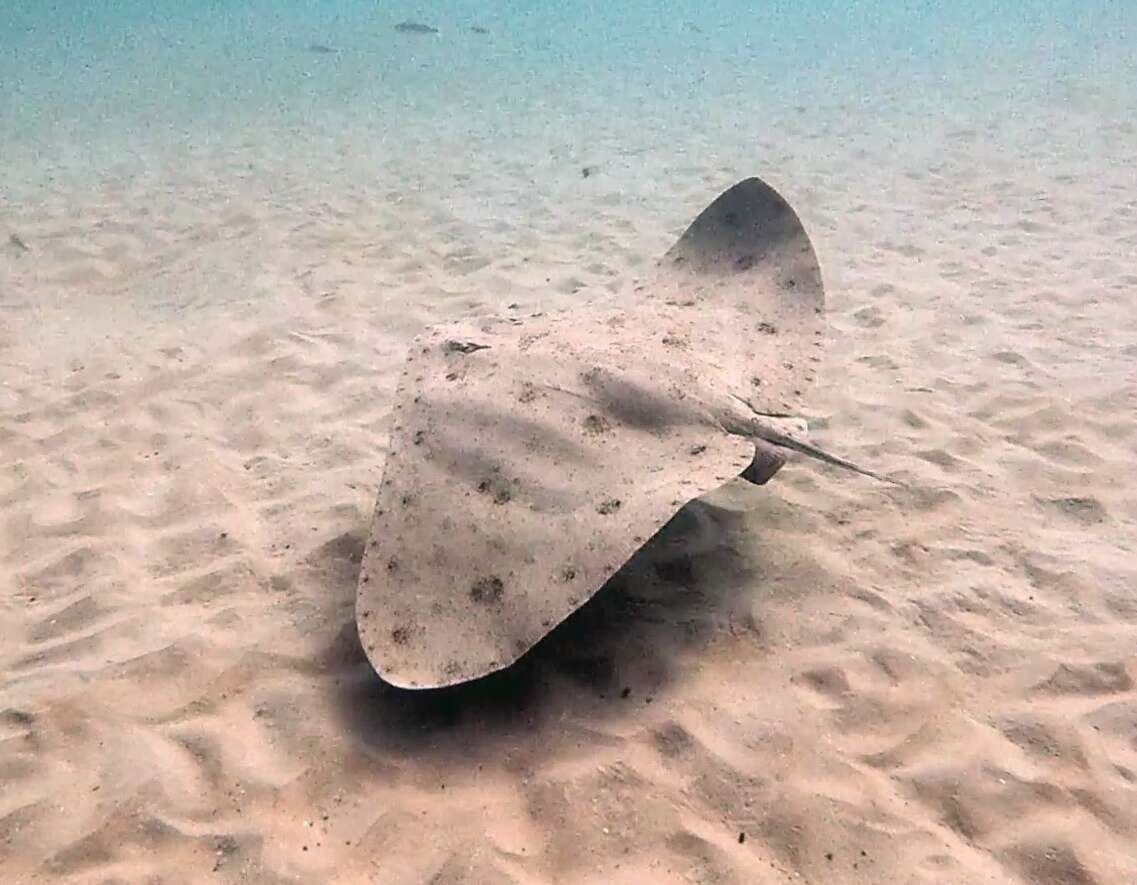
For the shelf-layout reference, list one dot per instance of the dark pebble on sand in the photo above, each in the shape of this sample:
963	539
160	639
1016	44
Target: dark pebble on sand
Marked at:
741	838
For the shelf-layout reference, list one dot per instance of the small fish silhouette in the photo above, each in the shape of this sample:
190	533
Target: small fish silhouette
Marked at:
415	28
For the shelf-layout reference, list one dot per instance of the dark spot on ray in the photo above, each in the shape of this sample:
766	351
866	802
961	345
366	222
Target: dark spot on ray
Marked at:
501	491
487	590
596	425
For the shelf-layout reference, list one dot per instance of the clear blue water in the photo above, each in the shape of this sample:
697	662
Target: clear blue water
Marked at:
84	82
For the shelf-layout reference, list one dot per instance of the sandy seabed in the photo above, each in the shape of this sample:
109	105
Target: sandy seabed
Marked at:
823	680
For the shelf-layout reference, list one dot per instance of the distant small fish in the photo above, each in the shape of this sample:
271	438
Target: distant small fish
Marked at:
18	241
321	49
415	28
478	29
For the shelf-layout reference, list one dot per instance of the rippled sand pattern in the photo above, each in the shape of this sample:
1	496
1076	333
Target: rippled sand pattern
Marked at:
822	680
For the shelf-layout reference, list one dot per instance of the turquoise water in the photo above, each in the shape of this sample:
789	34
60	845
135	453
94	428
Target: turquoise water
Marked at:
874	118
88	83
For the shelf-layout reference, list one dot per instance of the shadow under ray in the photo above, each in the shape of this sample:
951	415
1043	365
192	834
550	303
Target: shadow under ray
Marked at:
621	648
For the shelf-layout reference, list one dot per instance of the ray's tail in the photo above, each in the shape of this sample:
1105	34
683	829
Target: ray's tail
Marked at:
780	439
